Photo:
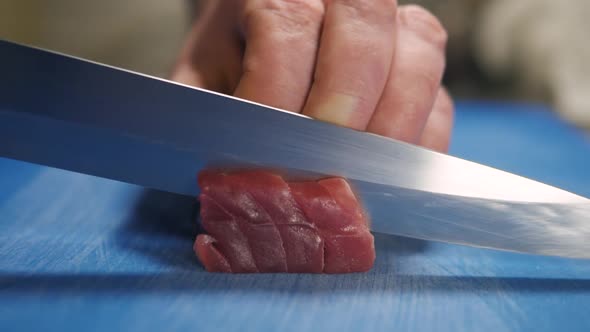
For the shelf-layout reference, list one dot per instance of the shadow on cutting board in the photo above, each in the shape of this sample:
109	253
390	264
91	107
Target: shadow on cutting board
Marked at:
163	227
286	283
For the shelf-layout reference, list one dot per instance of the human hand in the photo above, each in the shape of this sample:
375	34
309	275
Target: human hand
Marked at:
367	65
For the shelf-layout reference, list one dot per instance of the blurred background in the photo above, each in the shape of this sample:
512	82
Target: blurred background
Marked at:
524	50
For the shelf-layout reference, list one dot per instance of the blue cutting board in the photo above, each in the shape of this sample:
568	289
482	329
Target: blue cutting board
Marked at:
83	253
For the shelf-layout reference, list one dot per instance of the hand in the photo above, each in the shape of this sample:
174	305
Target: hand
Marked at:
367	65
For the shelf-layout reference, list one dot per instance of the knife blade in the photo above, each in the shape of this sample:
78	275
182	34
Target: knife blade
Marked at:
78	115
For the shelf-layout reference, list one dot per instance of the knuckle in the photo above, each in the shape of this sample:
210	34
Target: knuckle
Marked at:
303	10
424	23
314	8
375	11
291	14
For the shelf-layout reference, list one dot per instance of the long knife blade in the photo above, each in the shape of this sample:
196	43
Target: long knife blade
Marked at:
81	116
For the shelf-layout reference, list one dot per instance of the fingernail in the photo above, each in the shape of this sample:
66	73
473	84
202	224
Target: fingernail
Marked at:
338	109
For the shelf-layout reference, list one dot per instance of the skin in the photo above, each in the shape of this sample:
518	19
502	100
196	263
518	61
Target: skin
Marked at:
369	65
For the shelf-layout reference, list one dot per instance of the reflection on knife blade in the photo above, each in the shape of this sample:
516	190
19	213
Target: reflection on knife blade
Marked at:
469	204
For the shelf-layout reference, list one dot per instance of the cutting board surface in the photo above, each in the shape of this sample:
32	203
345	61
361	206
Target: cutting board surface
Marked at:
83	253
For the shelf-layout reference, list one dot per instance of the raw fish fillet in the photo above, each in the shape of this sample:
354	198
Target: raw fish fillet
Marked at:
255	222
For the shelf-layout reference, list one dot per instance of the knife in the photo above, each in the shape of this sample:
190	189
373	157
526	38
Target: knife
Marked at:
73	114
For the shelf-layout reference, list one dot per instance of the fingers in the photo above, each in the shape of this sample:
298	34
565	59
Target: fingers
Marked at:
354	59
377	67
185	70
414	78
437	131
186	74
281	45
211	56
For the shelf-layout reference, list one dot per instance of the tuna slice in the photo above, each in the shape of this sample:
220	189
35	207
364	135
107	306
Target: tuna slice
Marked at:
257	222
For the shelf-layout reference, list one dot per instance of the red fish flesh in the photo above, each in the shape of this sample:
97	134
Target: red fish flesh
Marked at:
256	222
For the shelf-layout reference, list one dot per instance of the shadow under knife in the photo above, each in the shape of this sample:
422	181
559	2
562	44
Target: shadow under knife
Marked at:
163	227
289	283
